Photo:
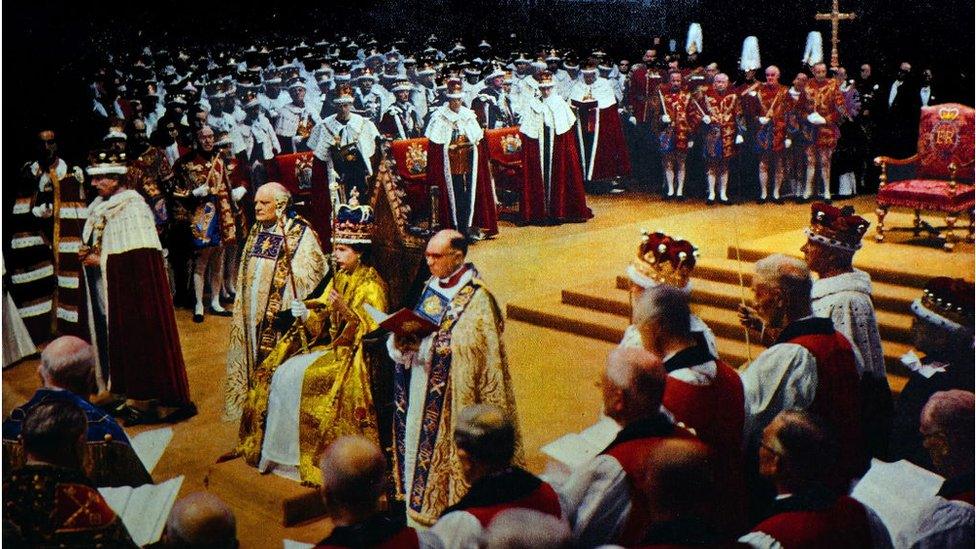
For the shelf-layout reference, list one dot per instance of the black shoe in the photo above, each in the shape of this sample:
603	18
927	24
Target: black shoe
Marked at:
229	299
135	416
760	201
709	201
198	318
725	202
217	313
680	198
668	197
778	201
186	412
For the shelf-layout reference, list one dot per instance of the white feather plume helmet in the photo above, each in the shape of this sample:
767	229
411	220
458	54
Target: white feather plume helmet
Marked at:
750	61
813	52
694	43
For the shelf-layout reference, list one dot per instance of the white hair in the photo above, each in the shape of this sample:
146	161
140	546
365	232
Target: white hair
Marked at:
524	529
789	274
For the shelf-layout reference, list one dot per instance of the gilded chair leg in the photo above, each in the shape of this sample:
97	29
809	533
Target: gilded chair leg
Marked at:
950	237
881	212
917	223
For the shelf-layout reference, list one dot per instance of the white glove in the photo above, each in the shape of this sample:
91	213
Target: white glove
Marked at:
42	210
788	143
815	118
633	119
764	120
201	191
706	119
666	119
238	193
752	93
299	310
739	140
165	253
691	144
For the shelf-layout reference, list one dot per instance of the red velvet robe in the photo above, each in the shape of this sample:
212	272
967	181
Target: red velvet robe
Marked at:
838	398
843	525
717	413
611	158
485	211
642	93
567	200
631	449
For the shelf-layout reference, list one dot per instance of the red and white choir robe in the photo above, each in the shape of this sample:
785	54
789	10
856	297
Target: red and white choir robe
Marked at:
811	367
381	531
145	358
947	519
552	184
818	519
599	498
463	524
444	128
706	395
61	194
596	107
846	300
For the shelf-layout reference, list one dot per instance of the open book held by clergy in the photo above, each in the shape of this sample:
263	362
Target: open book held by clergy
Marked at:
420	322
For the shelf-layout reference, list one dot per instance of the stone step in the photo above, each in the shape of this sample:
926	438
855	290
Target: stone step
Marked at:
894	327
551	312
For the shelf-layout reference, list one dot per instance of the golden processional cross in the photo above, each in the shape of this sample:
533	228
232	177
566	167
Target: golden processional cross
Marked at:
835	17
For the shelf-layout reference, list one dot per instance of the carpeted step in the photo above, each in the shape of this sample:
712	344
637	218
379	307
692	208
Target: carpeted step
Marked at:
886	296
721	300
550	312
280	500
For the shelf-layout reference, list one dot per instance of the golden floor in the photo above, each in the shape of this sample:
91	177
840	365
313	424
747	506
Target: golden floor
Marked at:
554	372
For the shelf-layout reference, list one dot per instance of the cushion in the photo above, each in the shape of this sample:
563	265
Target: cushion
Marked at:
411	159
294	171
505	145
927	194
945	136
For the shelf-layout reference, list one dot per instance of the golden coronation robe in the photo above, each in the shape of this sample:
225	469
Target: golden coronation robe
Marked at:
299	403
263	288
461	364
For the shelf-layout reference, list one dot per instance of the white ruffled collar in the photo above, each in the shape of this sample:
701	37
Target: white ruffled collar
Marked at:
854	281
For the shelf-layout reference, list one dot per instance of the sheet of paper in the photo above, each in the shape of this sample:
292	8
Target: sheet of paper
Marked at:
601	433
144	509
571	449
292	544
897	492
150	445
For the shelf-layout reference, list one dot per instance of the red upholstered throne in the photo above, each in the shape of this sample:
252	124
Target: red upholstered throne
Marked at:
305	177
505	150
943	180
410	158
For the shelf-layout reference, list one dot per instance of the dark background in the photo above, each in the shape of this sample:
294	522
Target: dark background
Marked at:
52	46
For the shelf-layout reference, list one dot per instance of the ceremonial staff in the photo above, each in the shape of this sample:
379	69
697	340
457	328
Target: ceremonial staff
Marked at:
299	322
742	290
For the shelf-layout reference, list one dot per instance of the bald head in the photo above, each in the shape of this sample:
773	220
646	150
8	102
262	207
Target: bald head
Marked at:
270	201
678	478
946	425
486	434
68	363
353	477
201	520
446	251
508	531
782	285
633	384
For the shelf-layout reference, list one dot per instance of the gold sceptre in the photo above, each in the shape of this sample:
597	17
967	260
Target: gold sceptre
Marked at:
299	323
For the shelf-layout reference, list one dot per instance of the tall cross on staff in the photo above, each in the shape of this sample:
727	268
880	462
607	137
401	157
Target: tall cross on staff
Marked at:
835	17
